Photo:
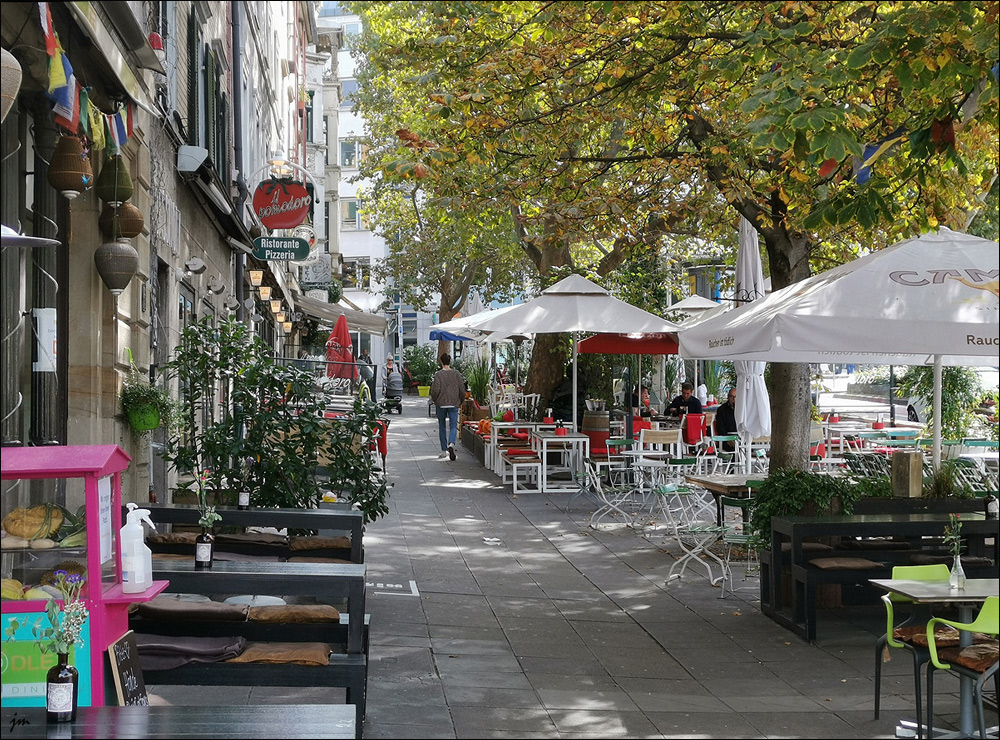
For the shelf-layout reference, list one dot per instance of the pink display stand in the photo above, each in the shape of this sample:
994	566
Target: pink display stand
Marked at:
100	467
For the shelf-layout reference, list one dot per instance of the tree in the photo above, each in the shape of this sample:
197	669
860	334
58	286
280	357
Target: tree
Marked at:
826	125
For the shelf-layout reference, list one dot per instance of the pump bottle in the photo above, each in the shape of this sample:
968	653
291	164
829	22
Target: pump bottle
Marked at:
137	560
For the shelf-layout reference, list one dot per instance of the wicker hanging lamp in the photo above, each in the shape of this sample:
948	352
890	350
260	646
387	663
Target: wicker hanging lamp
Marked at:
10	82
129	218
69	171
114	184
117	262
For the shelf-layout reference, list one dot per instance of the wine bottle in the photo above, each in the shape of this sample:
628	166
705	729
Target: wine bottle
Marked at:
61	691
204	544
243	501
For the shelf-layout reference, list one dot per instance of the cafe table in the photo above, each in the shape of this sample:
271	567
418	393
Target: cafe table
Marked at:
575	445
967	600
172	721
731	485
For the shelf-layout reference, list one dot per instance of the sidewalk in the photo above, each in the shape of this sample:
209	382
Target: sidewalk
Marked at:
501	616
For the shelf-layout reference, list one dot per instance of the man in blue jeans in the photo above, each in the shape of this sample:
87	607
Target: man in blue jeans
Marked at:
447	392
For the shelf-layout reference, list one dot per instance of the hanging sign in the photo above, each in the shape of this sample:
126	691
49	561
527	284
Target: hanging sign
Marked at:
281	203
280	248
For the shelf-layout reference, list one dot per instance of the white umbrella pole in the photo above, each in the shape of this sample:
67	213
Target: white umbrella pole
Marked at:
575	427
937	412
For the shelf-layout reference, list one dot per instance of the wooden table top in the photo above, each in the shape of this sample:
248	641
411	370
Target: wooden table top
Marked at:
168	721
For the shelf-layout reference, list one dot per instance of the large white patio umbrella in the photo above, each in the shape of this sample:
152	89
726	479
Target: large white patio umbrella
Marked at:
753	406
932	299
574	305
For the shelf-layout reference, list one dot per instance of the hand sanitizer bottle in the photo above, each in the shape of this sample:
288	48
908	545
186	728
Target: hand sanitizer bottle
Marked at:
137	560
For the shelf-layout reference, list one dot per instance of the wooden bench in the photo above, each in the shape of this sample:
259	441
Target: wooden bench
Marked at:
326	582
328	520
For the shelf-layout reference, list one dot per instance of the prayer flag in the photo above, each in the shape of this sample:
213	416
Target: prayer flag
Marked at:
45	16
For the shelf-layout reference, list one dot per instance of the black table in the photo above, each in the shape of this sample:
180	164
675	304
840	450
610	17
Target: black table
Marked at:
242	721
339	519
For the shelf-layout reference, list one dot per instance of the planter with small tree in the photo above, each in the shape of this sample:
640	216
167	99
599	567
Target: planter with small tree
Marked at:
422	363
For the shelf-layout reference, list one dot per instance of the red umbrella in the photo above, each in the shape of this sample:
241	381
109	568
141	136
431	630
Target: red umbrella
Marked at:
340	356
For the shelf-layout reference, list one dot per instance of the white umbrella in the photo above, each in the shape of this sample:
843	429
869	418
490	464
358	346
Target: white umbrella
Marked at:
574	304
753	406
932	299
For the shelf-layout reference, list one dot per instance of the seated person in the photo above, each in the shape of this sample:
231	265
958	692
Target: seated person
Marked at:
641	402
725	420
685	403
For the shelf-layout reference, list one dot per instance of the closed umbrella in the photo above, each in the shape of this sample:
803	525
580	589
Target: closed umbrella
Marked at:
753	406
340	364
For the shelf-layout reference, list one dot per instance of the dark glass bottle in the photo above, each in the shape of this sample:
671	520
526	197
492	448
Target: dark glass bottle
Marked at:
243	501
204	545
61	691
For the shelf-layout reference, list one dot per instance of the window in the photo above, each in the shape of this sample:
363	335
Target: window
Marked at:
348	153
352	29
356	273
350	216
332	9
347	90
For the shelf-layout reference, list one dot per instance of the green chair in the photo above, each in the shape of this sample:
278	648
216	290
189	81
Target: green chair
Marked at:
976	661
736	536
902	635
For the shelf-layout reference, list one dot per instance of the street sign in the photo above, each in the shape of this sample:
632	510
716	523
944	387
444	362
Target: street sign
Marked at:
280	248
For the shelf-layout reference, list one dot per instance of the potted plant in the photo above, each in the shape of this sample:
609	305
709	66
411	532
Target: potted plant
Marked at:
347	464
477	375
422	362
145	405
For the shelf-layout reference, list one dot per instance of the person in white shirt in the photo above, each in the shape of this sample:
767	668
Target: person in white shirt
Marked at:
702	393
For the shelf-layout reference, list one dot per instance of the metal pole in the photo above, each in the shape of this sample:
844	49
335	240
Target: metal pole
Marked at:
892	396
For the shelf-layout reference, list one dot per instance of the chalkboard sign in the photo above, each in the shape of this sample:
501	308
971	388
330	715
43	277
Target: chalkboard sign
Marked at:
127	672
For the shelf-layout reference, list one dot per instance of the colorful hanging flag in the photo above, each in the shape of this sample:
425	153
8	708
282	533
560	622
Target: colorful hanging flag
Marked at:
45	16
862	167
118	129
85	111
58	73
97	138
66	98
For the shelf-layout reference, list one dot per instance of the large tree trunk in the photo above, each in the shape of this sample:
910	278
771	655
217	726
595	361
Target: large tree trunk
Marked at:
546	369
791	404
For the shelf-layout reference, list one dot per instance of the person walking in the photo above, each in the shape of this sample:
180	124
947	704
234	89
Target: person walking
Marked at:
447	393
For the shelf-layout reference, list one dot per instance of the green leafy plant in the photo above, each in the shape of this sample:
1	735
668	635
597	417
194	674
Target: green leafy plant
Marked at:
421	359
477	375
348	466
960	390
946	481
789	492
953	534
139	398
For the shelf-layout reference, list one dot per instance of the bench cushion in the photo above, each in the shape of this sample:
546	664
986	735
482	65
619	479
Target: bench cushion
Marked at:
294	613
318	543
169	607
844	563
299	653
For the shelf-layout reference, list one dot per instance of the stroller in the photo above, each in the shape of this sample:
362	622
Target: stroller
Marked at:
392	394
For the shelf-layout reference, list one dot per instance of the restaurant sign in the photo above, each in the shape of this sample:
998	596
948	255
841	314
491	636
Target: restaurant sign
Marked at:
280	248
281	203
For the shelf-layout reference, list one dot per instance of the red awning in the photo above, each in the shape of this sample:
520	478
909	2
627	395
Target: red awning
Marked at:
623	344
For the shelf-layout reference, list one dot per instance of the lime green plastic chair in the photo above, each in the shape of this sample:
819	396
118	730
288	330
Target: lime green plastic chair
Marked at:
919	616
987	622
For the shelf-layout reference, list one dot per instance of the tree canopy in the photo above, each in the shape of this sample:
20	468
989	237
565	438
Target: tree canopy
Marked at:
610	129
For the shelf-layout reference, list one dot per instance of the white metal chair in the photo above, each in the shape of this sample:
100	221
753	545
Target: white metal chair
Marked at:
736	536
614	500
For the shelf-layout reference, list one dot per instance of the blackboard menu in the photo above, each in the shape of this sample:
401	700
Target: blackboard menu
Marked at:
127	672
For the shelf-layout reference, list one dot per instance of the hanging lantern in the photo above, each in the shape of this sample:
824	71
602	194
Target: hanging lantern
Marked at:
10	82
130	221
114	184
69	171
117	262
